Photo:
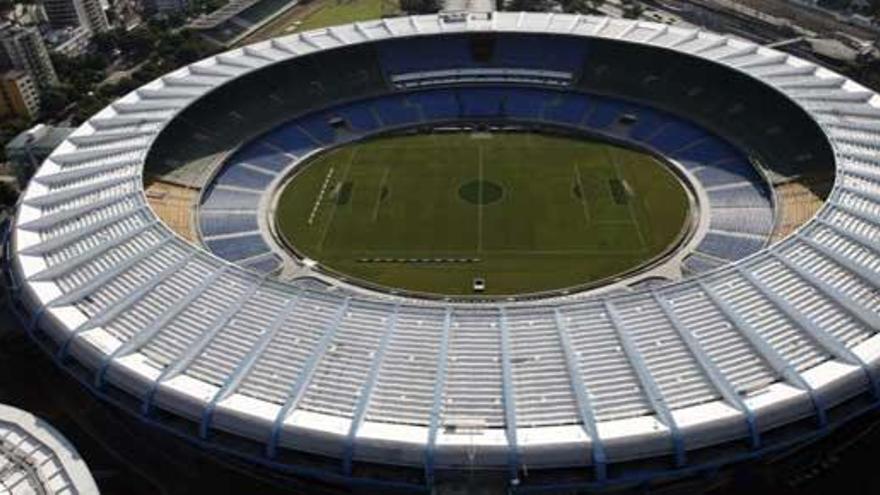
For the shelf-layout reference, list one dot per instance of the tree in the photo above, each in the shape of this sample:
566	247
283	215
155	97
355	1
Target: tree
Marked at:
582	6
529	5
8	194
9	128
874	10
54	100
632	10
137	44
420	6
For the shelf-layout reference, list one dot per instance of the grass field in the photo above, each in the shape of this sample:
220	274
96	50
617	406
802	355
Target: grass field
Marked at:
323	13
335	12
527	212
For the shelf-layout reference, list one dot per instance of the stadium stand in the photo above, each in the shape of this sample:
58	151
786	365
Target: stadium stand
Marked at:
732	183
376	392
36	458
798	201
175	205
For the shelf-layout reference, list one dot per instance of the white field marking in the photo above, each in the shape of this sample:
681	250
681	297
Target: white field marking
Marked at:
320	245
616	166
580	183
379	194
446	253
320	195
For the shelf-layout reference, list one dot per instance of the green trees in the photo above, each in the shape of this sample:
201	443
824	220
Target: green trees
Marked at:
582	6
529	5
132	58
420	6
8	194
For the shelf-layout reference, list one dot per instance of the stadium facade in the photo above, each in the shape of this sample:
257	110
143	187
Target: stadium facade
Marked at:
36	458
758	349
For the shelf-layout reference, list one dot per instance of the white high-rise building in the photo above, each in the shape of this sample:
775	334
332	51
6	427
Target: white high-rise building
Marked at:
23	49
87	13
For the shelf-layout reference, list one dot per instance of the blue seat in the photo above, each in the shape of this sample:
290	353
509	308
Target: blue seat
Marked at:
292	140
603	114
264	264
262	156
742	196
699	264
214	224
481	102
738	165
709	149
757	221
417	54
525	104
648	123
436	105
526	51
236	175
728	246
566	108
359	117
714	176
318	127
676	135
395	111
237	248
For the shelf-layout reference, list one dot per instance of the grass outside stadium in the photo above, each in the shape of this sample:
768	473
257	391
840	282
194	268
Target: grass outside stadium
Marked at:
525	212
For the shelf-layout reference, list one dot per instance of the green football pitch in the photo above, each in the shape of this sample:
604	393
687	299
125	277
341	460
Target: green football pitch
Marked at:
526	212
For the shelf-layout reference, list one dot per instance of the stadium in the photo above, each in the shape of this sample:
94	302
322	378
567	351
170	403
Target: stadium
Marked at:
522	251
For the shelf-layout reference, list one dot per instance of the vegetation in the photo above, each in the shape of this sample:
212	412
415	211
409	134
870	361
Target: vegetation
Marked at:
8	194
432	212
420	6
197	7
632	9
9	128
334	12
579	6
141	55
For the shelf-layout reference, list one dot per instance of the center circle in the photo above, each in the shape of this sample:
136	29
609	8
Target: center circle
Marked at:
481	192
497	214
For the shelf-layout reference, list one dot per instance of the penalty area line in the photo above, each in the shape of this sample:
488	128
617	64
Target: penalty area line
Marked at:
320	196
320	246
629	207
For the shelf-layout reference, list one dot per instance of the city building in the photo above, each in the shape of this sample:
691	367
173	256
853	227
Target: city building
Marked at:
762	339
30	148
125	14
22	48
18	95
86	13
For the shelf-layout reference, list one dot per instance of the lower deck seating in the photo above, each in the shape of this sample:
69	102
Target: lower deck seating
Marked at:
241	175
698	263
741	205
218	198
729	247
214	224
239	247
